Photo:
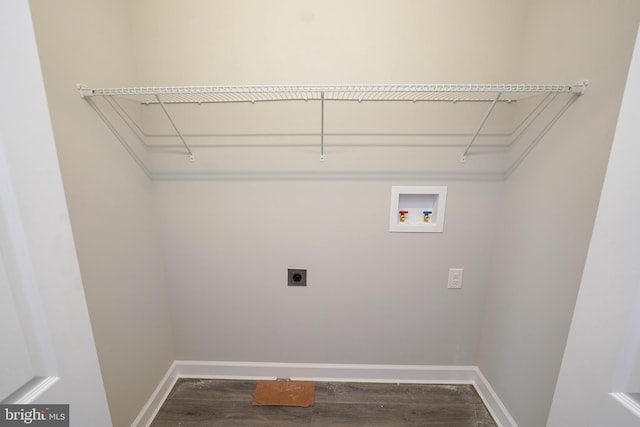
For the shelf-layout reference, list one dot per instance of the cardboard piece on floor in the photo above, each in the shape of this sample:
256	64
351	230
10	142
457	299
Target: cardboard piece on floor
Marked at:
284	393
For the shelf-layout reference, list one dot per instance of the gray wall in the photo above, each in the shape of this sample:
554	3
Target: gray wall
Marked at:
373	296
39	272
109	199
550	201
227	238
605	324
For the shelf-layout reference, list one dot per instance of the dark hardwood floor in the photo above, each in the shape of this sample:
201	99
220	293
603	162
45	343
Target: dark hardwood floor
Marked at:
199	403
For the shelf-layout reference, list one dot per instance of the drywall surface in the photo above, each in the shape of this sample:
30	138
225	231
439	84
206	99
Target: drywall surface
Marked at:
550	201
229	236
109	198
37	250
599	357
372	296
229	233
223	42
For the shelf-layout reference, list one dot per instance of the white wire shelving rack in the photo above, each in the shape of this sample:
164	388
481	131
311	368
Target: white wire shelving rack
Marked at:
487	93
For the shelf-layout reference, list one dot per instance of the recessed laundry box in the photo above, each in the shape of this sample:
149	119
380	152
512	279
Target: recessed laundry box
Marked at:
416	209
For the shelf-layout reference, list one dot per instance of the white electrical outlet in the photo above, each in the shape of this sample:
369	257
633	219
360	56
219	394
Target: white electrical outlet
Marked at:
455	278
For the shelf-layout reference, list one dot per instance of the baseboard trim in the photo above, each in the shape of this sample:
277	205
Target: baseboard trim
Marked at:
159	395
491	400
423	374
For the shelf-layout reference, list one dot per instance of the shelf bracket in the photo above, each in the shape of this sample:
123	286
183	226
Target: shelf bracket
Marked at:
322	126
191	155
463	156
84	91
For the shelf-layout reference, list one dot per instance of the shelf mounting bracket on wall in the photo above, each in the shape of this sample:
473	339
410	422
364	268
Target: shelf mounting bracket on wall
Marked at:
192	157
463	156
322	126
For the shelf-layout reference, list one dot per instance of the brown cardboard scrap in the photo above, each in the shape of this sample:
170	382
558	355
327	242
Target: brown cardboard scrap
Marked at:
284	393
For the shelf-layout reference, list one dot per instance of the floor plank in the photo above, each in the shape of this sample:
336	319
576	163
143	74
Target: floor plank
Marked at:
198	402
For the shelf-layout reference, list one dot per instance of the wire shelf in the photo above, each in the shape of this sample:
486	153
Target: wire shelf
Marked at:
359	93
490	93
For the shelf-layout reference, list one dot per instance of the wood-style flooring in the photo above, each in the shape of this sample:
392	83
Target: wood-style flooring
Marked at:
203	402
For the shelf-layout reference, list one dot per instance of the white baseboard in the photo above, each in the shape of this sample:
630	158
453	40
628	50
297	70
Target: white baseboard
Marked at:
422	374
159	395
491	400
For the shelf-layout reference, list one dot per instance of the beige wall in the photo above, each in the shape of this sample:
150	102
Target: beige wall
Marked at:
228	237
109	198
550	201
605	323
200	42
39	264
373	296
326	42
